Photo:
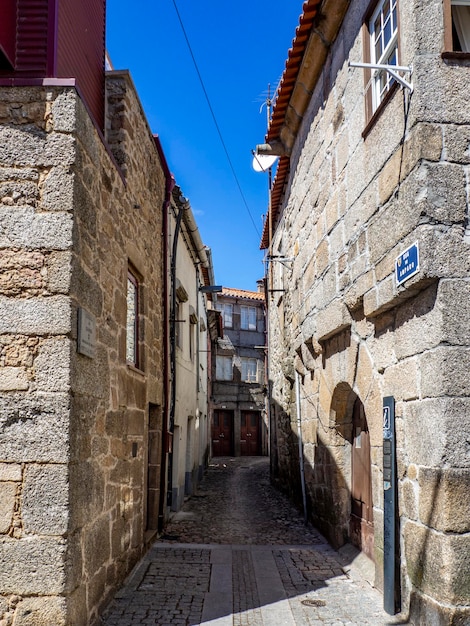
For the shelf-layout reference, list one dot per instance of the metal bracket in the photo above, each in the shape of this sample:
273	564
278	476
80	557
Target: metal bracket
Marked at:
392	70
281	259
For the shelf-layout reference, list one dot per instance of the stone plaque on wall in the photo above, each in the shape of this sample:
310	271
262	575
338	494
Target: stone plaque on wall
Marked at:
86	339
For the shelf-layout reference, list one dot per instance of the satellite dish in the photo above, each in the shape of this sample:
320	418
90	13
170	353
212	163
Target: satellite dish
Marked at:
262	162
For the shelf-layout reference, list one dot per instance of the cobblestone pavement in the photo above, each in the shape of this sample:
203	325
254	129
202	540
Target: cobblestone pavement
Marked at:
239	554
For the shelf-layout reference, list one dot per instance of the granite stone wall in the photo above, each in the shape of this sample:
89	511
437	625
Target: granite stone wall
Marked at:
75	212
354	201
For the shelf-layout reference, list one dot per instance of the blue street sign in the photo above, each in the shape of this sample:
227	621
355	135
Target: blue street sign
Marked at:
407	264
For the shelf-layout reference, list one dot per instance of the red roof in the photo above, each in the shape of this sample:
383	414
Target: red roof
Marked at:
241	293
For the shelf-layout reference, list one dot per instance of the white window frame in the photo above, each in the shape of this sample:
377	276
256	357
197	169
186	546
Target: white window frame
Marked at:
248	317
224	367
249	369
388	54
227	314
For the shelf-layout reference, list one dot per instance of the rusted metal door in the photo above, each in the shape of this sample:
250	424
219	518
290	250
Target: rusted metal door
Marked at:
249	433
222	429
362	521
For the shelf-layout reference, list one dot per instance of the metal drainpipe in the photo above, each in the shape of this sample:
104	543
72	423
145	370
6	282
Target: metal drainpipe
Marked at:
301	452
169	186
173	323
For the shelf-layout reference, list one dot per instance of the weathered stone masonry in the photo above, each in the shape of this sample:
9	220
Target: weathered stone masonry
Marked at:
352	205
73	429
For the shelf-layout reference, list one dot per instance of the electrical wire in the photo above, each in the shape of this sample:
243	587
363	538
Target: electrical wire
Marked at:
219	132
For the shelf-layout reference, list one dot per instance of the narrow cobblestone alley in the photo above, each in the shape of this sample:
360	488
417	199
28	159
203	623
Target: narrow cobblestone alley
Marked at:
238	554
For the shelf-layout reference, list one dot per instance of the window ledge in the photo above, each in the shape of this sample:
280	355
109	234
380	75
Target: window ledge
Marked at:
135	370
456	56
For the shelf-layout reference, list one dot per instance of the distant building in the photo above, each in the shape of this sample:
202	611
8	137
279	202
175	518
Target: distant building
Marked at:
238	398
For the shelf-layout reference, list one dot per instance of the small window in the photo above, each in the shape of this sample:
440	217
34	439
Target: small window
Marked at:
178	323
132	322
383	37
460	14
192	339
224	368
249	370
227	314
248	317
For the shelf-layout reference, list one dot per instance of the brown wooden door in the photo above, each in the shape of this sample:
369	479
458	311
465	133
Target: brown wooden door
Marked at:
222	429
249	433
362	521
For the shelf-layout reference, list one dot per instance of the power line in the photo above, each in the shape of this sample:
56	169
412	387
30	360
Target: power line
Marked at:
219	132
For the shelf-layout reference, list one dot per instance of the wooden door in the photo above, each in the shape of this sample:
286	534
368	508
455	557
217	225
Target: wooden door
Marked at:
361	521
222	429
250	433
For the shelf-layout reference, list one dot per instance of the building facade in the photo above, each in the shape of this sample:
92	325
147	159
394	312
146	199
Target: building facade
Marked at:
238	398
368	309
86	208
191	269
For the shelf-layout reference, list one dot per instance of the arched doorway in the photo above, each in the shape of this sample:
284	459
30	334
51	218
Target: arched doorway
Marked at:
361	523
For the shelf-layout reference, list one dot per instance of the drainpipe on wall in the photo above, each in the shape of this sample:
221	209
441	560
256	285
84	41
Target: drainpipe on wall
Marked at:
301	452
169	185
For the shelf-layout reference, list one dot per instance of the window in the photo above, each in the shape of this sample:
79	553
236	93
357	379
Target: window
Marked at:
249	370
227	314
178	321
132	322
248	317
383	32
459	41
192	333
224	368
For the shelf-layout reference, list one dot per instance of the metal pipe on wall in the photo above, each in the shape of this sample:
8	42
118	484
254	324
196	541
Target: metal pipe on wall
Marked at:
301	452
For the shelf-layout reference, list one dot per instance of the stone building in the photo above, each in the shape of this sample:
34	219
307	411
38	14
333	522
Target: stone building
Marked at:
238	396
369	308
85	207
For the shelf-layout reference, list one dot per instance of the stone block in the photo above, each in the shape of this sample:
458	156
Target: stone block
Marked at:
414	315
96	545
13	379
24	228
34	428
443	502
424	142
409	497
7	505
52	365
42	612
453	304
58	190
10	472
424	610
444	372
438	565
332	320
436	431
402	380
456	142
45	500
35	316
64	111
59	270
32	566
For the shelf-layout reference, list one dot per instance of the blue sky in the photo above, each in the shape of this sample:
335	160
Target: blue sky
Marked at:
240	49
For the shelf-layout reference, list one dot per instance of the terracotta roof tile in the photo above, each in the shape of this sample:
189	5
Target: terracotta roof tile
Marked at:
281	103
242	293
